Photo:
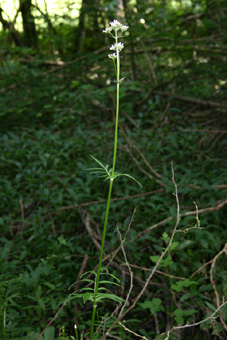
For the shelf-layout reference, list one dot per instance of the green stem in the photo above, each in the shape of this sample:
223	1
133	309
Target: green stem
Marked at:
100	259
76	333
109	196
117	108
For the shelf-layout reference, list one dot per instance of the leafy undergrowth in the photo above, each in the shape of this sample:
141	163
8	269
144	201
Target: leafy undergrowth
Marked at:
44	188
52	209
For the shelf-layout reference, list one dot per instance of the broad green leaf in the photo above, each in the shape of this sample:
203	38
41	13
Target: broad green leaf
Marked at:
164	262
154	306
49	333
154	258
101	296
190	312
178	312
89	272
173	246
127	175
213	308
88	296
97	161
110	282
179	285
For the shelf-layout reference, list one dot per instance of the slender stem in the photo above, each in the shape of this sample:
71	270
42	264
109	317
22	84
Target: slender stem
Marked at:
109	195
76	333
100	258
117	107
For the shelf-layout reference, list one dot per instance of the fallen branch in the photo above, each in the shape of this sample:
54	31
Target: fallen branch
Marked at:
132	145
199	322
208	131
104	201
189	213
224	250
52	320
137	298
191	100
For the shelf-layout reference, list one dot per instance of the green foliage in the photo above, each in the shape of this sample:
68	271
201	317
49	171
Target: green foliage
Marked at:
180	314
107	173
88	293
56	110
154	306
179	285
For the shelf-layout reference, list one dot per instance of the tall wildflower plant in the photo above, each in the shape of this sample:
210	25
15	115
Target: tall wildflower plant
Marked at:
95	294
116	31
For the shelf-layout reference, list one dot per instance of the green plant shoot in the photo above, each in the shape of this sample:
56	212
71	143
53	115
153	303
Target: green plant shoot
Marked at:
115	31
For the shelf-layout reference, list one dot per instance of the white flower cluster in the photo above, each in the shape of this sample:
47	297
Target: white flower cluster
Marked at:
115	26
112	56
118	46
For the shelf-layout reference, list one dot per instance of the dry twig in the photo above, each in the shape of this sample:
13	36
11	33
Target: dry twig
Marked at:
189	213
130	272
132	145
157	263
224	250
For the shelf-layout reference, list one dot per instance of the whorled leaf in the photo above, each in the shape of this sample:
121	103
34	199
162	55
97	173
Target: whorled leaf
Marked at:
107	173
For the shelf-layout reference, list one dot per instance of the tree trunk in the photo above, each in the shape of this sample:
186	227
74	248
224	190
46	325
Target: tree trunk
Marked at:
88	24
10	27
30	36
131	37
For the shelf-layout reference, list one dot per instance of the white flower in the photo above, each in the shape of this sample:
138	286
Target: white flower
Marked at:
124	28
112	56
116	26
119	46
107	30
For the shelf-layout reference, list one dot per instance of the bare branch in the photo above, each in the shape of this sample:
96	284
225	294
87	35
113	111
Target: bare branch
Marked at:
52	320
130	331
224	250
157	263
189	213
130	272
202	321
192	100
140	153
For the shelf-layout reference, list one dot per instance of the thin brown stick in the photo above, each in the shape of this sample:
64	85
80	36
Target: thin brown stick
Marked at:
208	131
51	321
111	259
153	227
22	209
104	201
119	247
200	268
150	64
86	221
130	331
202	211
224	250
82	270
189	213
217	186
128	139
192	100
157	271
130	272
137	162
202	321
76	286
158	262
